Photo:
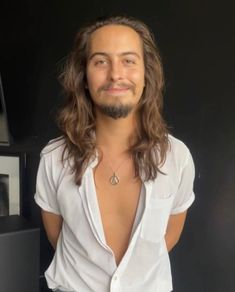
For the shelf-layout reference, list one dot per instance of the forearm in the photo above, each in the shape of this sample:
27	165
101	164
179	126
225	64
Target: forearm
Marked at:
174	229
53	240
171	241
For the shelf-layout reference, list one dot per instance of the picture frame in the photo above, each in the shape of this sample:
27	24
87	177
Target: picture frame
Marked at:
10	184
4	126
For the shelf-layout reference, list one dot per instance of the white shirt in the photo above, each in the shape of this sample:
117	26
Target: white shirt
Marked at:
83	262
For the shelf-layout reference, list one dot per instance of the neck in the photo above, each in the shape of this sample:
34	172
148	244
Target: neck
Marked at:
113	136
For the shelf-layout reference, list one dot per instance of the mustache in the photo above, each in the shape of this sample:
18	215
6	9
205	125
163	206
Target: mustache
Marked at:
121	85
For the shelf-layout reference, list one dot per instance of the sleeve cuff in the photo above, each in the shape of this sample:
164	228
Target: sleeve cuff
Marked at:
45	206
185	206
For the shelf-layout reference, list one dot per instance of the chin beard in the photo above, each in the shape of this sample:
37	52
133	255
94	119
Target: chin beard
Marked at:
115	111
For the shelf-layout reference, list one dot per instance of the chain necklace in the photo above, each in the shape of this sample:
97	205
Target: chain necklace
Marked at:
114	179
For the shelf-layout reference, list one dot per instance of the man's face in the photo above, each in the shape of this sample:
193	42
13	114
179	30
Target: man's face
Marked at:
115	70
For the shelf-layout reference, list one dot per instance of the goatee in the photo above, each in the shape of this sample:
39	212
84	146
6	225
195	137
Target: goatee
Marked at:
115	111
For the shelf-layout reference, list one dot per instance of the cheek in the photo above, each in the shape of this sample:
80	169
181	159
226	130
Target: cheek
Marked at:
138	79
137	75
95	80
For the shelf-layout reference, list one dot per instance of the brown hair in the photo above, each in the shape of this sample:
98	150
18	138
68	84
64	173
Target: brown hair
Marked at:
77	118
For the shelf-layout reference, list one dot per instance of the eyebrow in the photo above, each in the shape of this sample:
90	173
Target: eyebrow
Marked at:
107	55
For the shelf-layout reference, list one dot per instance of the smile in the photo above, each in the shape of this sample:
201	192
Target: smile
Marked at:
116	91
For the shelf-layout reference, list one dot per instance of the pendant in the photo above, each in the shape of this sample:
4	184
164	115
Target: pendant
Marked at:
114	180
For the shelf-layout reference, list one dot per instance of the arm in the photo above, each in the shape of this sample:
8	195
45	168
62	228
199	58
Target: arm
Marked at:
52	224
174	229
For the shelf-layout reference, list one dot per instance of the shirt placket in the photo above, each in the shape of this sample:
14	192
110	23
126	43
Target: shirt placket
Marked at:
115	284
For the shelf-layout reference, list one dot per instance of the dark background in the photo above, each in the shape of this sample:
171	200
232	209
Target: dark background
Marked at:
197	43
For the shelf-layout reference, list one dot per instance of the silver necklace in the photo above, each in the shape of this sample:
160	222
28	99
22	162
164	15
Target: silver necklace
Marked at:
114	179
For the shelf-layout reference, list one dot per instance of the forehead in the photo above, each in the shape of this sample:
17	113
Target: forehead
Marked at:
115	39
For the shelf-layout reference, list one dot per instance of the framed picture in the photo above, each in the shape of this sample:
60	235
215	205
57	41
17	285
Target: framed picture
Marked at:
4	129
10	184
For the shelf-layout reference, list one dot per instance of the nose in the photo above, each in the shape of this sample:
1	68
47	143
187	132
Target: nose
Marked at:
116	71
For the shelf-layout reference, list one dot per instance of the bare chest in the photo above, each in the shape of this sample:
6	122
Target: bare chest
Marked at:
117	205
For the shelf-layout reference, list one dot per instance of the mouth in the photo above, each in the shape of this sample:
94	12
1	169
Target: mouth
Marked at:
116	90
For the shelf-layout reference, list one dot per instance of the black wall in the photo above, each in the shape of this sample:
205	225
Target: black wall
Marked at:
196	39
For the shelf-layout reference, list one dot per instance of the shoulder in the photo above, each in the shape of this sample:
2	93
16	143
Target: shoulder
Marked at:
54	148
177	147
54	154
178	154
53	159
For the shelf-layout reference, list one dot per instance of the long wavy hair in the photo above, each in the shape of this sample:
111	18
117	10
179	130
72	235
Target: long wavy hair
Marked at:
77	118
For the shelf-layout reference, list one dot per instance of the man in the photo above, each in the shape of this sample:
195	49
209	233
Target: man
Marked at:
115	189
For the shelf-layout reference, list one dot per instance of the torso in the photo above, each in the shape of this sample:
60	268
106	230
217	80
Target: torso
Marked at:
117	204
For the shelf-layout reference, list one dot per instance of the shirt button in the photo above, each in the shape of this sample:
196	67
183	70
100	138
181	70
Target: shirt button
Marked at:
115	278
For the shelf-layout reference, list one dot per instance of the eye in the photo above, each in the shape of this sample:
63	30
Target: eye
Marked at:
100	62
130	61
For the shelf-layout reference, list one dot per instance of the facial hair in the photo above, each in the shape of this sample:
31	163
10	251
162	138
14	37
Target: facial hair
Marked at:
119	110
115	111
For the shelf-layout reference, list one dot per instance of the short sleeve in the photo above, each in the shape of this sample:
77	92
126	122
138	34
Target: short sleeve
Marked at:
46	195
185	194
